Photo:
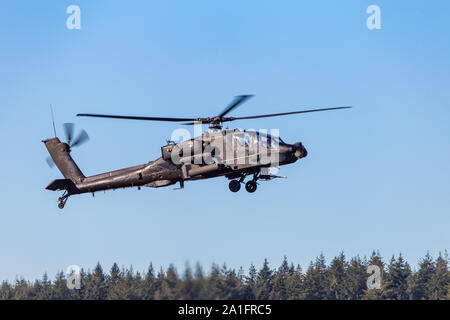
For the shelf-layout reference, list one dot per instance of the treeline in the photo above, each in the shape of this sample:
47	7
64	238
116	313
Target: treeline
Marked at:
341	279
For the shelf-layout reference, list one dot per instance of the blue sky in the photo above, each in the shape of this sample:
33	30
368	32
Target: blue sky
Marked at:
376	177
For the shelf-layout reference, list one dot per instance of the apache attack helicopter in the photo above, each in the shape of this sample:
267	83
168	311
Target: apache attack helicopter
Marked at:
235	154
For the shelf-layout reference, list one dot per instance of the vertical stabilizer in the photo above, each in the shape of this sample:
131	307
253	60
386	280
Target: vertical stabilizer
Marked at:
60	153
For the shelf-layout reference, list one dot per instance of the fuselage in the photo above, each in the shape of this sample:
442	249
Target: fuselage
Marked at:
230	153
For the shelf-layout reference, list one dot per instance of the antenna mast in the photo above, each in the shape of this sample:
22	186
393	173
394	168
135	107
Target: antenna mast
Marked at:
53	119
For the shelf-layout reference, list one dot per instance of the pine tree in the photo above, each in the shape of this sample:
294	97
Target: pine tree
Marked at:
355	281
137	283
279	291
22	290
395	286
241	279
169	284
187	284
294	283
6	291
440	280
159	284
336	276
95	285
231	287
198	284
47	290
264	282
316	281
249	284
241	275
213	284
60	289
112	282
129	284
419	286
35	290
149	285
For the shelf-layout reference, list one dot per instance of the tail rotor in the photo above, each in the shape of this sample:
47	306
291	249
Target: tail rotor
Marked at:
79	140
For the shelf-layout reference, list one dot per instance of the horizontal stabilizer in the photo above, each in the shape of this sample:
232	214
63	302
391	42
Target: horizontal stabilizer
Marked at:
60	184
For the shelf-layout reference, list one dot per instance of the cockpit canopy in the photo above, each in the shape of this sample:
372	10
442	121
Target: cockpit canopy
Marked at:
253	138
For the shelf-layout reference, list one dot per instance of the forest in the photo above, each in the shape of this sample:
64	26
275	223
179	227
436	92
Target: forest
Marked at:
340	279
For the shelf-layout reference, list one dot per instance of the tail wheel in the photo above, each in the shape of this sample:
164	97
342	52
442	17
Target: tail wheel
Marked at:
63	199
251	186
234	186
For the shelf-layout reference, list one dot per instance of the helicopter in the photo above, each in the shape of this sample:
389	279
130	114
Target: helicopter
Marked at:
232	153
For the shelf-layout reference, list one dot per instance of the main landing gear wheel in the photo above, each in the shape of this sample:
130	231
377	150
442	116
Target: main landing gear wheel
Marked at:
251	186
234	186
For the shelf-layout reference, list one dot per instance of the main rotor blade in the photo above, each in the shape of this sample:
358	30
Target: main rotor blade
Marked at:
134	117
234	104
282	114
82	138
68	129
